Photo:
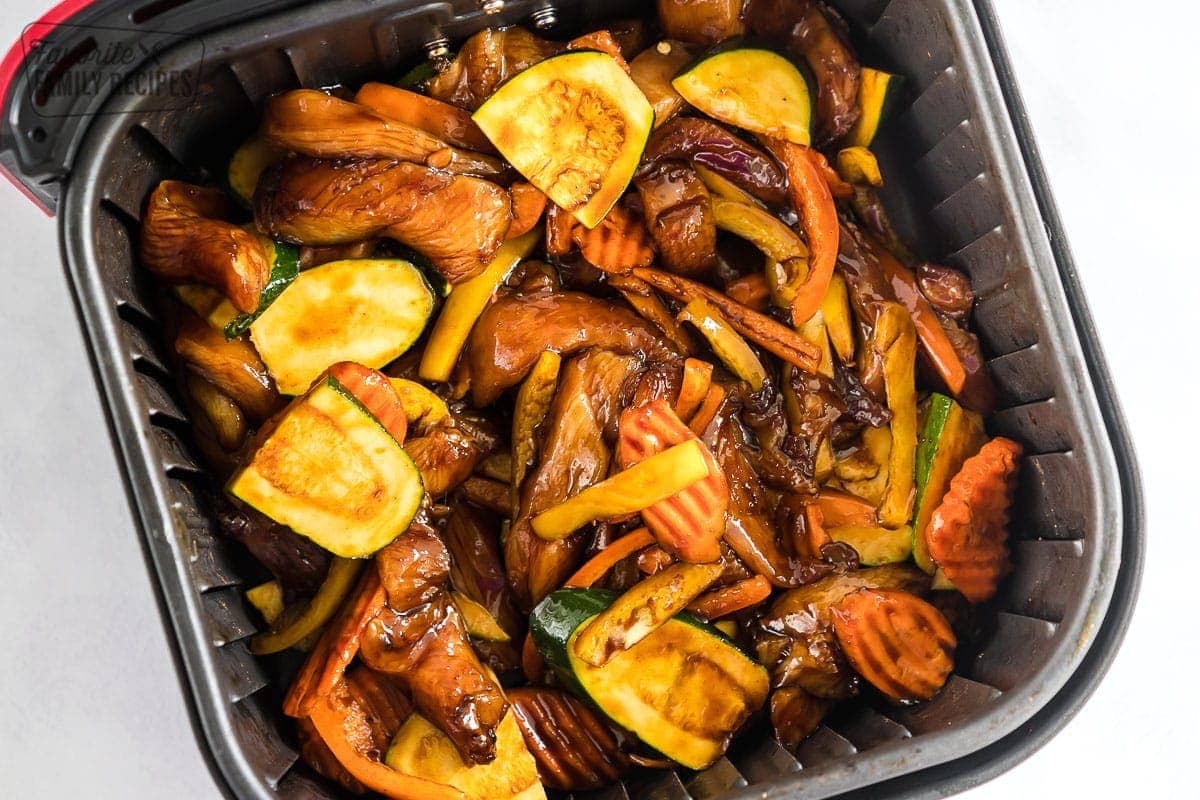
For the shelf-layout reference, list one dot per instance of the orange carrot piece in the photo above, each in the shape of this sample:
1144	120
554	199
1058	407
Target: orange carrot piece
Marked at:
697	377
376	393
813	203
606	559
729	599
708	409
688	524
330	720
337	646
814	528
618	243
840	508
532	663
837	187
528	204
449	123
934	342
751	291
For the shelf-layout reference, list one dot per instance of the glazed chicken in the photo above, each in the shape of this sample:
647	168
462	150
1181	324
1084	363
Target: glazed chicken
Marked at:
582	403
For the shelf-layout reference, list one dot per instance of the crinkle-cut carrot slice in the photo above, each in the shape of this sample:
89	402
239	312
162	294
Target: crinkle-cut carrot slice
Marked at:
901	644
968	533
690	523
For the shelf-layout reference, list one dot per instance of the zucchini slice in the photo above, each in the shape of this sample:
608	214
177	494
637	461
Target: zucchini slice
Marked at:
875	544
248	163
330	471
876	94
214	307
420	749
752	88
683	690
369	311
951	435
575	126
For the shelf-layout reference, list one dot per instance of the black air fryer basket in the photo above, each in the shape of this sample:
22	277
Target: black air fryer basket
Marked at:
88	131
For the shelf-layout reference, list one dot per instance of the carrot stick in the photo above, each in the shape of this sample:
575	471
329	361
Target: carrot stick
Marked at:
814	527
645	302
772	336
932	336
708	409
607	558
750	290
697	377
337	646
728	599
813	202
329	718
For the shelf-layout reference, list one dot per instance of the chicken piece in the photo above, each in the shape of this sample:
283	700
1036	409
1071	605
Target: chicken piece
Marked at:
519	327
317	124
680	216
477	567
701	21
795	714
457	221
232	365
426	649
375	709
186	240
486	60
413	568
446	456
574	455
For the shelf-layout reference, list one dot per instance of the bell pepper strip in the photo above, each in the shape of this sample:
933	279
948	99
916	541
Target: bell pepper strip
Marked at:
812	200
816	535
642	610
329	718
531	407
967	536
267	599
599	565
772	336
477	620
897	339
627	492
708	409
447	122
787	256
731	599
648	304
813	330
839	322
750	290
697	377
842	508
858	165
839	185
689	523
316	612
337	646
725	342
375	392
528	205
720	186
463	307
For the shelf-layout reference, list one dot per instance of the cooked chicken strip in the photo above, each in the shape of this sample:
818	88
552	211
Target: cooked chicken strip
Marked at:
519	327
457	221
186	240
317	124
574	456
679	214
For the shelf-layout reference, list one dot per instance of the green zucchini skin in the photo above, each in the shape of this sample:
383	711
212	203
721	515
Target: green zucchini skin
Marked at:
283	271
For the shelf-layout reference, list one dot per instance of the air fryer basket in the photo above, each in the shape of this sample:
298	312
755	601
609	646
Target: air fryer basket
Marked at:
963	182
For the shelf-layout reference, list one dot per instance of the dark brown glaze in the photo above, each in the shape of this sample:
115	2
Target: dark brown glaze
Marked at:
317	124
774	19
456	221
947	289
186	240
519	327
710	145
574	748
375	707
818	405
486	60
413	568
836	70
680	216
869	289
701	21
573	456
476	566
446	456
296	562
795	639
795	714
232	365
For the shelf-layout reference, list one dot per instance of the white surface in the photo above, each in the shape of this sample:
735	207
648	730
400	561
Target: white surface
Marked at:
89	700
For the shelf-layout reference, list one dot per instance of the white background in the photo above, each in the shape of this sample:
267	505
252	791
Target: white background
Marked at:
89	700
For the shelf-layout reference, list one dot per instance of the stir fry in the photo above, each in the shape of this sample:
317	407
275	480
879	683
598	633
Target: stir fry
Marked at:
583	404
